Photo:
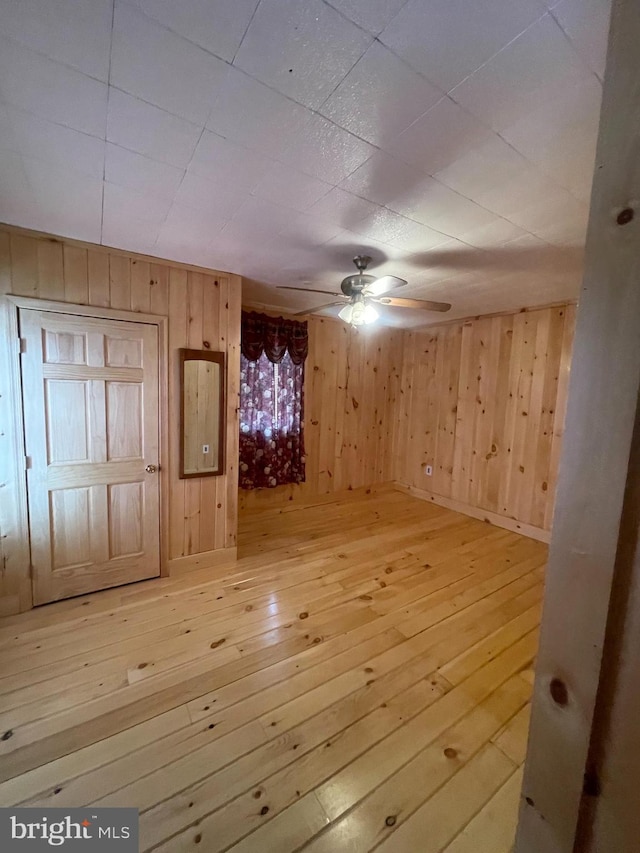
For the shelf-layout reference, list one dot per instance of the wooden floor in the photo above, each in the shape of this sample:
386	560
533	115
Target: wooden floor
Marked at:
359	680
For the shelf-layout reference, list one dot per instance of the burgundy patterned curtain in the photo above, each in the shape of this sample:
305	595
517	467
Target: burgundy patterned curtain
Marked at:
272	401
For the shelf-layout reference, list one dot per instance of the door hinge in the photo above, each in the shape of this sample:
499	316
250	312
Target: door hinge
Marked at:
22	345
27	463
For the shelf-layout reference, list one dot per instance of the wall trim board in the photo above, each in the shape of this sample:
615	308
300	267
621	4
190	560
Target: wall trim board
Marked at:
476	512
221	558
112	250
15	550
587	662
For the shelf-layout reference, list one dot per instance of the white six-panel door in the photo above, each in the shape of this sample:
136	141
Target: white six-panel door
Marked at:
90	392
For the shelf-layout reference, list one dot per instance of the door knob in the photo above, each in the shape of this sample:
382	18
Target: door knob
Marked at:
151	469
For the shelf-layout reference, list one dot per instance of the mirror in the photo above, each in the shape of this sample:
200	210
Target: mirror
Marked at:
202	413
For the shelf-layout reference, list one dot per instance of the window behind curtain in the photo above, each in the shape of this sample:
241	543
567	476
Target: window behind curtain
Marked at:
271	422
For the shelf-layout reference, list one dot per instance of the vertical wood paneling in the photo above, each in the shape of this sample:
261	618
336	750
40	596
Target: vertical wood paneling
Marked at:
76	275
493	391
140	285
50	270
351	387
120	282
200	306
98	265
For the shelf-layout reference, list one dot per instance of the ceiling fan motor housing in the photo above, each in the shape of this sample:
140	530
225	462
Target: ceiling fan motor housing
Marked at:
356	283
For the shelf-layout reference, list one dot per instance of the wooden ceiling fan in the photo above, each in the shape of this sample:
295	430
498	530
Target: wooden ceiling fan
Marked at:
360	291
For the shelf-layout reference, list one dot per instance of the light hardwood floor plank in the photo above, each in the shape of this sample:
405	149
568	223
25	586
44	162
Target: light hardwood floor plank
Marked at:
369	656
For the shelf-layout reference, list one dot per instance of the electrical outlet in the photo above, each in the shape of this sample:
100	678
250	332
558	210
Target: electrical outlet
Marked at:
428	470
205	448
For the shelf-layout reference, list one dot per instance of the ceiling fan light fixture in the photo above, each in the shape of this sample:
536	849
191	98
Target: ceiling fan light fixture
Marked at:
358	313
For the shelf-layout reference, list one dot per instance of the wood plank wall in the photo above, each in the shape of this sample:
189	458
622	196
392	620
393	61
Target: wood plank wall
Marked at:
201	306
351	396
483	401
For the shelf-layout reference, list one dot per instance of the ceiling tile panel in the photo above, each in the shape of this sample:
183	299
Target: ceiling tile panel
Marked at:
342	208
74	32
489	165
233	167
302	49
72	200
128	169
325	151
439	137
135	204
215	25
161	67
128	232
523	77
433	204
380	97
449	39
203	194
246	111
381	178
560	137
141	127
290	188
51	90
40	139
586	22
257	220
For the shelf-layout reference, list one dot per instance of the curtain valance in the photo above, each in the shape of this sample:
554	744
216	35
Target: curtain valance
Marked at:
273	336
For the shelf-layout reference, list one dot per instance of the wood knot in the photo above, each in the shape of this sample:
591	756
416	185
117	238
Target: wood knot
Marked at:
625	216
303	615
450	752
559	692
264	810
390	820
217	643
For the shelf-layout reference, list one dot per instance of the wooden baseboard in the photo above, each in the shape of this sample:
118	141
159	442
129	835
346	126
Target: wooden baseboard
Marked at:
476	512
218	559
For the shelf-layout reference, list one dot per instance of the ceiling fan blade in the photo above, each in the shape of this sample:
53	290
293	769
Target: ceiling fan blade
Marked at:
399	302
317	308
308	290
383	285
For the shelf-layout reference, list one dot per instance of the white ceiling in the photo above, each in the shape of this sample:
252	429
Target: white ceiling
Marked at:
452	139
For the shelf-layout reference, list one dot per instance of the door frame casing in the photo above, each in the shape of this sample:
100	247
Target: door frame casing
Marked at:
12	305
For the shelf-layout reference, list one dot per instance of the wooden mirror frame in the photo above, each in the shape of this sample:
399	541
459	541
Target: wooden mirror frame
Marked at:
216	358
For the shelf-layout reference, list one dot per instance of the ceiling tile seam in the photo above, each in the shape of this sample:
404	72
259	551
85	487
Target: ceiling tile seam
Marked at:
572	44
538	168
184	174
232	64
20	109
402	61
349	20
450	189
376	34
482	64
168	29
46	56
104	150
535	166
246	30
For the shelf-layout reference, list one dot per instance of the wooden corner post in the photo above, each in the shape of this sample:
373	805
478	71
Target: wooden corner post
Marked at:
587	544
